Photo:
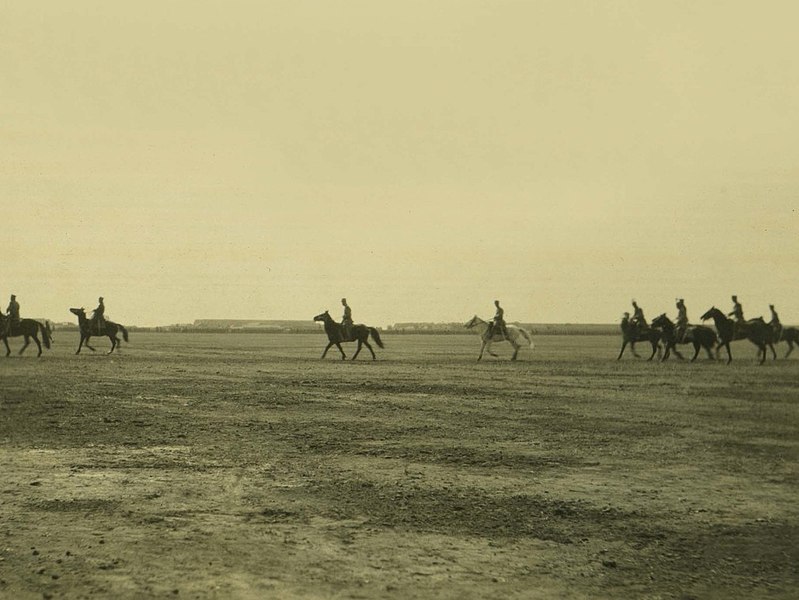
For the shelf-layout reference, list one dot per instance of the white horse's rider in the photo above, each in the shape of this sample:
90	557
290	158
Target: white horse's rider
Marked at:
499	321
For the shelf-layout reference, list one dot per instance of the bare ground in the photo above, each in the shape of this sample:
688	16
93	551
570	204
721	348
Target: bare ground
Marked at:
242	466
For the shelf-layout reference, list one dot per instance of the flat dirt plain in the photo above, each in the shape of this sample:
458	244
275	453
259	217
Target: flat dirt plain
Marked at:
242	466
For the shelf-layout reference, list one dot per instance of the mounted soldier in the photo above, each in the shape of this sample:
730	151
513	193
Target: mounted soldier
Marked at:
13	315
638	318
738	314
98	317
775	323
346	321
498	323
682	320
737	310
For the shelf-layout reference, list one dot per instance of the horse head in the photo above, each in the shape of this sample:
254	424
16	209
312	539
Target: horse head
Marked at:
475	320
324	317
712	313
661	321
79	312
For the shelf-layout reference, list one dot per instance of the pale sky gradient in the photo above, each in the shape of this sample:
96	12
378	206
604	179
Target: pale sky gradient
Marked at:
262	159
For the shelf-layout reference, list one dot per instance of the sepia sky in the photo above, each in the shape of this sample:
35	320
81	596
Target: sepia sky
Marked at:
262	159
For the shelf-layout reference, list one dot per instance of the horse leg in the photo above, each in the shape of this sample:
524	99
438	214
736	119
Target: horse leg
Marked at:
357	350
725	345
773	351
515	350
697	345
86	343
632	348
113	341
326	349
654	349
343	356
38	345
623	346
366	342
790	348
488	349
25	345
677	353
481	350
8	348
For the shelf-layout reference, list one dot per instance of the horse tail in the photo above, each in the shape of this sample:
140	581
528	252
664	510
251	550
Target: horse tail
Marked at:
527	336
45	334
124	332
376	337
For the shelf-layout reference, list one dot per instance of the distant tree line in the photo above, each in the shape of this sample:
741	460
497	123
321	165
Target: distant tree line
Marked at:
399	328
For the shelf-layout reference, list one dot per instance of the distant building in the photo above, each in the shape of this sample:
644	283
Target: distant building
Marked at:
255	325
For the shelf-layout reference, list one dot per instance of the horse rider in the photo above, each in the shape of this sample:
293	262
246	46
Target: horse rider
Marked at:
738	313
638	318
13	314
682	320
737	310
346	320
98	319
775	323
499	321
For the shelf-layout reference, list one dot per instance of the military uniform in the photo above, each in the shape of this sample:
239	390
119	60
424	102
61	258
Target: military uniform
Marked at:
13	315
499	321
98	318
638	318
775	322
738	314
346	321
682	320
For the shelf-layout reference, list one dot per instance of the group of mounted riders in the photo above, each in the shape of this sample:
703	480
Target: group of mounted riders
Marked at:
495	330
12	325
762	333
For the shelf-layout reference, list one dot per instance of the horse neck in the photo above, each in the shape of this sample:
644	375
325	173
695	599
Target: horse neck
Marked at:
722	320
483	325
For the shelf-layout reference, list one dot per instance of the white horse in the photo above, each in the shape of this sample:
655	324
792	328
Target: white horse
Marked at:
517	336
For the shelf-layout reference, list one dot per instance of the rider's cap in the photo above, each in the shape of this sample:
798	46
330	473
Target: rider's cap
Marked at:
343	299
771	306
734	297
13	296
101	298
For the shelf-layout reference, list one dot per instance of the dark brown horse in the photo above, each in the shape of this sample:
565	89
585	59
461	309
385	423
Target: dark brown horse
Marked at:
785	334
631	334
27	328
358	333
756	331
698	335
89	329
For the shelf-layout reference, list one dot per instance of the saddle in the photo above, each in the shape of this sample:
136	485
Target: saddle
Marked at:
97	327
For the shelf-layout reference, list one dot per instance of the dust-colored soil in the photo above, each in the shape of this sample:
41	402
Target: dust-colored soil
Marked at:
242	466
